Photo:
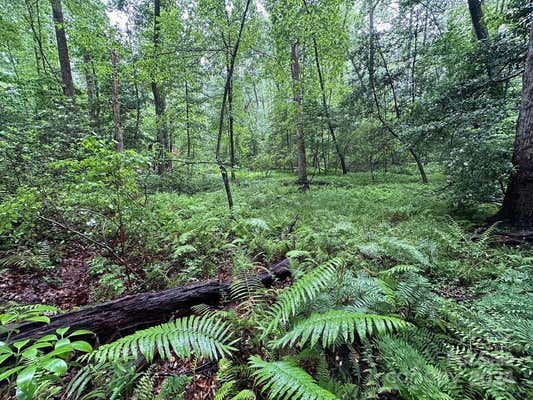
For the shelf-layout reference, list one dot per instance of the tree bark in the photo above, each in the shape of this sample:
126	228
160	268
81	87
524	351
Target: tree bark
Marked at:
159	96
231	131
134	312
90	80
119	131
340	154
372	86
300	139
476	14
187	121
229	76
517	206
62	49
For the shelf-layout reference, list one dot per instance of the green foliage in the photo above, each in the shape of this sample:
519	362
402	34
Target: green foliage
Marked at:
408	372
35	368
337	326
301	293
199	336
283	379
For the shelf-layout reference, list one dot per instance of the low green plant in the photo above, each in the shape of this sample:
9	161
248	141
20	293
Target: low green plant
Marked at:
35	367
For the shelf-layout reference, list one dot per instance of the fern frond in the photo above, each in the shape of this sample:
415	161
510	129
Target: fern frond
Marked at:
284	380
338	324
399	269
246	287
145	387
227	392
203	309
202	336
244	395
301	293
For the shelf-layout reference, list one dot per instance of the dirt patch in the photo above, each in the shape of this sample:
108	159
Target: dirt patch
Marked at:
65	287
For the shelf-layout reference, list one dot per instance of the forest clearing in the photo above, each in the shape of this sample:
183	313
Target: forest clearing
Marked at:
266	199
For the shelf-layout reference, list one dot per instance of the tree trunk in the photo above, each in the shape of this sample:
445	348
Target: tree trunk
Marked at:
232	58
187	120
230	129
372	86
92	95
159	97
476	14
300	139
518	202
62	49
130	313
119	131
327	110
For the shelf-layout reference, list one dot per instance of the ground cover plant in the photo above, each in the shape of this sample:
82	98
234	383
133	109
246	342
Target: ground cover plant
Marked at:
266	200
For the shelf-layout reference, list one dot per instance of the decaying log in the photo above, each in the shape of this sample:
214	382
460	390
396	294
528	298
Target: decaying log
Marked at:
138	311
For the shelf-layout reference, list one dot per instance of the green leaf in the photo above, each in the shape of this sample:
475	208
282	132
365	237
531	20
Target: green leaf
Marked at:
81	345
26	376
62	331
56	365
47	338
39	318
21	344
81	332
9	372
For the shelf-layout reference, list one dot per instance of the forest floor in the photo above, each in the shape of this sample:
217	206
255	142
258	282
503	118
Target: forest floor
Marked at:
372	224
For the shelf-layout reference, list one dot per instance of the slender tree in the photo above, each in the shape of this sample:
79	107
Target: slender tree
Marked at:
300	139
518	202
119	131
325	105
229	76
159	95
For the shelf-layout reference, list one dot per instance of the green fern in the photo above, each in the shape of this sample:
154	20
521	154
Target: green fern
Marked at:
284	380
145	387
337	324
301	293
228	392
200	335
246	287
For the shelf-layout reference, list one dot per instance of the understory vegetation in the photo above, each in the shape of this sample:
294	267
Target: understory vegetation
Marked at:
392	296
266	199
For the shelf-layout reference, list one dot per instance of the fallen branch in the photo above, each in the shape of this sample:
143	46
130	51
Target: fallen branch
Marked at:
138	311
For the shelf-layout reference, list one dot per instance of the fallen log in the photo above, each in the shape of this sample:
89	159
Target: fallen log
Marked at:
124	315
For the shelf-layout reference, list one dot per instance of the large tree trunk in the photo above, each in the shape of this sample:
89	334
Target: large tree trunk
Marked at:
62	49
134	312
300	139
119	131
518	203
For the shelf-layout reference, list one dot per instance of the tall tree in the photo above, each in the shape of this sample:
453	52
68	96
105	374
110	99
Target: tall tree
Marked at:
518	202
119	131
300	139
325	105
229	76
476	14
372	85
62	48
159	95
